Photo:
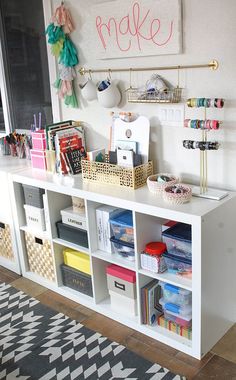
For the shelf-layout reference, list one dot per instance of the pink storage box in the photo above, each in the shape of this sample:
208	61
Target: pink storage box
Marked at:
121	280
38	159
39	140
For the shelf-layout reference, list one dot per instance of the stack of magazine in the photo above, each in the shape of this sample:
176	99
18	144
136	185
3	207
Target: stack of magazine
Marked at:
66	145
150	307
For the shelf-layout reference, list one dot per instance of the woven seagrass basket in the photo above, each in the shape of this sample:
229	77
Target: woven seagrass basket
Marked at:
6	242
40	256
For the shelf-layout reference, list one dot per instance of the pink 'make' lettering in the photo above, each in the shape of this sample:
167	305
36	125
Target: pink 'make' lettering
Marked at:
136	25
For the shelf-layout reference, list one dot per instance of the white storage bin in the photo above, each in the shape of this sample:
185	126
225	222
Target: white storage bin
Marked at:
74	219
35	217
122	304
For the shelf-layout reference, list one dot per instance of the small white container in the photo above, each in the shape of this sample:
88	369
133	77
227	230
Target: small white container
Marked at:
109	97
88	90
35	217
123	305
74	219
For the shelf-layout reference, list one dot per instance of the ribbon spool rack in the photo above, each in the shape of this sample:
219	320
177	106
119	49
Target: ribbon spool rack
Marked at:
204	125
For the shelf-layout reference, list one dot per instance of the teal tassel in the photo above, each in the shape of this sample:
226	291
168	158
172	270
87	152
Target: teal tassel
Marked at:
72	99
57	83
68	55
55	33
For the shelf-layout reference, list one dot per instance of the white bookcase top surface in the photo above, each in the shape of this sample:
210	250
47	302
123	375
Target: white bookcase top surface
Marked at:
140	200
9	164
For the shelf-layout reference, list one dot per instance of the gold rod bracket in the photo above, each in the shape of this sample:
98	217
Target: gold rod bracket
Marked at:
214	64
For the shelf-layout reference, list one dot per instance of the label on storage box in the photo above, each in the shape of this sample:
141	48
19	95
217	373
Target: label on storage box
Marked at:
73	218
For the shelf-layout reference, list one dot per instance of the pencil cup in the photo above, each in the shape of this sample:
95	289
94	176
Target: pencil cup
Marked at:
88	90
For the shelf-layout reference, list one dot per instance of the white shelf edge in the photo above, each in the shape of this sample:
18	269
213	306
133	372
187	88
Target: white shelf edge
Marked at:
114	259
66	243
76	295
38	233
170	278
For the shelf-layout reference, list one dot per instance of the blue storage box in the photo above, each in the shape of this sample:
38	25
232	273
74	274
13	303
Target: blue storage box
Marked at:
175	294
178	240
123	248
122	226
176	264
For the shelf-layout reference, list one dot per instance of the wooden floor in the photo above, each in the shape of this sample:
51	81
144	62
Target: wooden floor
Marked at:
220	363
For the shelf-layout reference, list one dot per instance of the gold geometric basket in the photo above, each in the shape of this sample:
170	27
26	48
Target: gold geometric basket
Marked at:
103	172
40	256
5	242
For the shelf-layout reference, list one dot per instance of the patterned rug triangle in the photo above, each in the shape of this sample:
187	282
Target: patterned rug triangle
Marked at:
37	343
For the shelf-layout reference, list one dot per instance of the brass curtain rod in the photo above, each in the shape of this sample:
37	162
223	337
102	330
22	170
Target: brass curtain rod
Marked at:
212	65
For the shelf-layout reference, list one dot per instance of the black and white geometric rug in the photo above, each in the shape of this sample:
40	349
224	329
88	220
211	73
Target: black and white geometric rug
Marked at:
38	343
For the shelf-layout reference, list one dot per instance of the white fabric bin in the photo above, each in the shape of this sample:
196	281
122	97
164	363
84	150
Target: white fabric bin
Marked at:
35	217
123	305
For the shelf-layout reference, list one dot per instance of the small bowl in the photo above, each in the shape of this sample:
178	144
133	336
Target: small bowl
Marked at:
157	187
178	193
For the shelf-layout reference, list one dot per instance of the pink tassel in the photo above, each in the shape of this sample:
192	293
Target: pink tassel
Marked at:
63	18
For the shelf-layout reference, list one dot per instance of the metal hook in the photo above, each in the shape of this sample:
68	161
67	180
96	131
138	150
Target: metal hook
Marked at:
90	75
109	73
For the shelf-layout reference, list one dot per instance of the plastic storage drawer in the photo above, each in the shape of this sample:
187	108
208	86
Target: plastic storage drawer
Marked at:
182	321
123	248
122	226
72	234
33	196
175	294
176	264
77	280
77	260
178	240
178	310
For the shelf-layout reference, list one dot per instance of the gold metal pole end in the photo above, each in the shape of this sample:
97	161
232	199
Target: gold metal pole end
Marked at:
214	64
82	71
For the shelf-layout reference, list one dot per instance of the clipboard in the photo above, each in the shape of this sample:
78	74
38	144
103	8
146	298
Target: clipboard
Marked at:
137	130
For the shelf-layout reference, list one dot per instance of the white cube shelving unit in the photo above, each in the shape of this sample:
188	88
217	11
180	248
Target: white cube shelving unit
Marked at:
213	252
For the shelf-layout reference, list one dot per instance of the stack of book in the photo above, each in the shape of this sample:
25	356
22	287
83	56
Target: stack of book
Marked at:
150	307
65	147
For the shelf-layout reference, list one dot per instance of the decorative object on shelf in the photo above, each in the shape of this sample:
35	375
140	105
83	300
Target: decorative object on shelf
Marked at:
152	259
205	125
177	194
64	50
157	182
132	178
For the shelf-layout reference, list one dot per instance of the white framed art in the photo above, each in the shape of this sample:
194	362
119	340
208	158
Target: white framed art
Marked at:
129	28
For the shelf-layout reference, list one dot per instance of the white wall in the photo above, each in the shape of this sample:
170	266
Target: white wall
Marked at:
209	32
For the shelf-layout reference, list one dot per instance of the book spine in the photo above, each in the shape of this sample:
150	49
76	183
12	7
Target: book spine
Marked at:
100	233
106	231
